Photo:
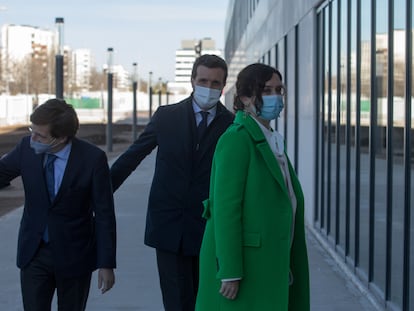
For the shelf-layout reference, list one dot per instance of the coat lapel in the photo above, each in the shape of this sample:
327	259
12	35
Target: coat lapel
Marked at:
262	146
192	125
40	171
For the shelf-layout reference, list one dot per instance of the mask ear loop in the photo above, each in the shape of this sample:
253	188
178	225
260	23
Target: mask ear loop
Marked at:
256	109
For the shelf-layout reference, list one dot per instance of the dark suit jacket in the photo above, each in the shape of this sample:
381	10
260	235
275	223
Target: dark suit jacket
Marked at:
181	177
81	220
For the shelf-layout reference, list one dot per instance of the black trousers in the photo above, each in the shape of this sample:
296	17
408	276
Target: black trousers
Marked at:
178	280
39	282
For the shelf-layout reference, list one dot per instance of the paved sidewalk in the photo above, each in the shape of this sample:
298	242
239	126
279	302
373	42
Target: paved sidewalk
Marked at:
137	286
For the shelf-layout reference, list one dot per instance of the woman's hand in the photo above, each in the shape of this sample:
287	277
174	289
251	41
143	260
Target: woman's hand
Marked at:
229	289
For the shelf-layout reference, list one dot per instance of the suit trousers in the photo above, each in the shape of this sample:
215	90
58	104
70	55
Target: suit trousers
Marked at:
39	282
178	280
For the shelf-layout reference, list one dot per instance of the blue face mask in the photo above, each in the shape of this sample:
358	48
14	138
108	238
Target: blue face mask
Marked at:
205	97
39	147
272	106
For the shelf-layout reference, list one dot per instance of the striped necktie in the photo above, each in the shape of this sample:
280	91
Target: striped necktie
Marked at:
50	183
202	126
50	175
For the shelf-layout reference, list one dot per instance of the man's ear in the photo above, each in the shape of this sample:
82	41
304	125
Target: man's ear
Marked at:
64	139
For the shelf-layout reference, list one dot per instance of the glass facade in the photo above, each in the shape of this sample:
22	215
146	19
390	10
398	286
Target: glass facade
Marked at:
365	152
348	123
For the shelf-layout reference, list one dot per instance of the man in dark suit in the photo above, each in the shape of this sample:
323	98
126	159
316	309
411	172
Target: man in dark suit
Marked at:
68	225
186	134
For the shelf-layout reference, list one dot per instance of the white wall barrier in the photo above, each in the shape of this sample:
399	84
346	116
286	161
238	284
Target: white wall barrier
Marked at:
16	110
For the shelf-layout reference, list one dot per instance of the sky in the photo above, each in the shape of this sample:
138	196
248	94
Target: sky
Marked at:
141	31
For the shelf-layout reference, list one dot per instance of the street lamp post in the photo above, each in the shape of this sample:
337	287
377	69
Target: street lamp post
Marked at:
167	93
59	58
150	93
110	82
134	105
159	91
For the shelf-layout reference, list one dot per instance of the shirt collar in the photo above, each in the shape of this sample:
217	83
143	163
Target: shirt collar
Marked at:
273	137
212	111
267	132
64	152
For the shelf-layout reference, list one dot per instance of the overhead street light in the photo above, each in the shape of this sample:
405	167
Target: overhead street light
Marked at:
198	46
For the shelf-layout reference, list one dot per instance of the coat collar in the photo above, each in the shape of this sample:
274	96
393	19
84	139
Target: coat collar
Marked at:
255	132
244	119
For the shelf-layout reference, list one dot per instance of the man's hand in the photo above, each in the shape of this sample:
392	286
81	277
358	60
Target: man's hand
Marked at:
229	289
106	279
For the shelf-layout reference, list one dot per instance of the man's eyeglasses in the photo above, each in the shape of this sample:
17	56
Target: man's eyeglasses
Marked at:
37	134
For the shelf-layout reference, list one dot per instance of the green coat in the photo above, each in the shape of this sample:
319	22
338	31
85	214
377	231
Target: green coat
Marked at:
248	232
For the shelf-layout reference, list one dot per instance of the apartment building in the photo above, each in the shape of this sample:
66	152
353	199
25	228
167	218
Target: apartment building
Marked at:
82	64
184	60
25	50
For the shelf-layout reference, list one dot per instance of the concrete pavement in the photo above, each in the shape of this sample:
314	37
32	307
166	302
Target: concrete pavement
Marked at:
137	286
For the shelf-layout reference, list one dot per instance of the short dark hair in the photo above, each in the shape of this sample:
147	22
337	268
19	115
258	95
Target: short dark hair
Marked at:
251	81
209	61
60	116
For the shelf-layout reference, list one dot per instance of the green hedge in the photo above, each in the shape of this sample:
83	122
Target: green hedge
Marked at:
84	102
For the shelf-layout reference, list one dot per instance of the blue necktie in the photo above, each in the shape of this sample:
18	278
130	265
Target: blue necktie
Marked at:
202	126
50	183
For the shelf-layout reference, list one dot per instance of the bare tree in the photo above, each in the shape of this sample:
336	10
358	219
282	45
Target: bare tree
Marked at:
98	80
16	82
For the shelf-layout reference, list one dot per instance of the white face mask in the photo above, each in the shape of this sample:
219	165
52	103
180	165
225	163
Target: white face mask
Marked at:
205	97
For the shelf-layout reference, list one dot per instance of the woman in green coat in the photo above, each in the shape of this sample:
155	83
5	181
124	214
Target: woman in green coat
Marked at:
253	255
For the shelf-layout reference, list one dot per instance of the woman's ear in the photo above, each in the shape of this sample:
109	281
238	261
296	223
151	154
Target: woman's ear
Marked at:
249	104
247	101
